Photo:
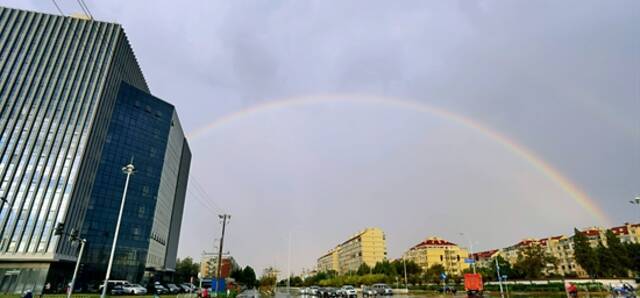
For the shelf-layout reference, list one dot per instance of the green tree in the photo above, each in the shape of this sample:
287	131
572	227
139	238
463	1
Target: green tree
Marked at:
585	255
185	270
620	253
532	260
249	276
608	263
385	268
363	269
633	252
432	275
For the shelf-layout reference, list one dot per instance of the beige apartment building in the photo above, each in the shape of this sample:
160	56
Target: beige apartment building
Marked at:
365	247
561	247
434	250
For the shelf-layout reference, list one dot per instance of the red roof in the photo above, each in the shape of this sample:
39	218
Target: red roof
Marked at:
484	254
526	242
620	230
433	242
591	232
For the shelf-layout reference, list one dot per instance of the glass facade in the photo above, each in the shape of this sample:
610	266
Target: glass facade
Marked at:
138	131
64	121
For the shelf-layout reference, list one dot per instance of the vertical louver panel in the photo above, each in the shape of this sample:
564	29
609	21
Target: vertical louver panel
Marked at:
59	77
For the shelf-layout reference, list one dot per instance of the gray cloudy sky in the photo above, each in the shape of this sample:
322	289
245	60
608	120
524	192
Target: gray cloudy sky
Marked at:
558	77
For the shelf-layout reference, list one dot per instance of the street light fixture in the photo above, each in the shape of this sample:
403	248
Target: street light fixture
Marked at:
127	170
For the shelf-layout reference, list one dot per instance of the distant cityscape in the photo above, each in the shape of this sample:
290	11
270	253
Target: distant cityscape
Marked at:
368	247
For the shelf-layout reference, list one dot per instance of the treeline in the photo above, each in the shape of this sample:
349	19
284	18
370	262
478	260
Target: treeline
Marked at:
383	272
615	259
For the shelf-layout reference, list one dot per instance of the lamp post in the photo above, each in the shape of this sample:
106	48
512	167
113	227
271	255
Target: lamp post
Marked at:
473	265
127	170
75	271
404	263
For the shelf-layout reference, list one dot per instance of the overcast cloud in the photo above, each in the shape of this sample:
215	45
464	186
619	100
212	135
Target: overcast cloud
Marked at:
559	77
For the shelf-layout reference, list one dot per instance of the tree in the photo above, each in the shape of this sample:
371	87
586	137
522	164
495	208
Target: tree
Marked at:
633	252
186	269
385	268
249	277
432	274
532	260
608	263
619	252
585	255
363	269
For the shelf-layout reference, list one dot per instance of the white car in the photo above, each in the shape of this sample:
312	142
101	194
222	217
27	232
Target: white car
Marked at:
134	289
347	291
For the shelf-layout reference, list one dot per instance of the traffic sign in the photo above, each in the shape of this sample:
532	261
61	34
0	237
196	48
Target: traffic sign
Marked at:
443	276
469	261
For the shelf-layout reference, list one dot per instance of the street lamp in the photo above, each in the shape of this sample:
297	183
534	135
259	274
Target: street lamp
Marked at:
404	263
473	265
127	170
75	237
635	201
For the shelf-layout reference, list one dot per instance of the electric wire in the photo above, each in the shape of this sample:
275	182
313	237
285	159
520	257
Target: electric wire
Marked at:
57	7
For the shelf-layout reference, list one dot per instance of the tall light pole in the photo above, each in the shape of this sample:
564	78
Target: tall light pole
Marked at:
127	170
404	263
75	271
473	265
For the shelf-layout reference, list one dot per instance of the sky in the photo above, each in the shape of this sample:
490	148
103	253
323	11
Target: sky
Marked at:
559	78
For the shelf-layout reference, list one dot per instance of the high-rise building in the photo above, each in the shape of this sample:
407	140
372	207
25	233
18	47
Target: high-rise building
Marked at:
74	109
365	247
434	251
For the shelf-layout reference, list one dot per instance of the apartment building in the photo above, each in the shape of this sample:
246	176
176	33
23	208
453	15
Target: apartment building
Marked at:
434	250
365	247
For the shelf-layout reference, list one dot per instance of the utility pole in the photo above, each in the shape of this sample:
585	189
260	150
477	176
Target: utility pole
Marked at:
224	218
127	170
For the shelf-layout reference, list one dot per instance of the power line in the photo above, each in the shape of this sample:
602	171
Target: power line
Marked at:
57	7
198	186
85	8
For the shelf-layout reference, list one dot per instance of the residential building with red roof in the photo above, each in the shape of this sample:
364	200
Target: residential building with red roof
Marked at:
434	250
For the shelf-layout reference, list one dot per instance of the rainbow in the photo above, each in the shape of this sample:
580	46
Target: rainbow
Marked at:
580	197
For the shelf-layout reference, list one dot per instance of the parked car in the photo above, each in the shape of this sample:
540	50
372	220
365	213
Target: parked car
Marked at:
314	290
369	292
134	289
382	289
304	291
160	289
173	289
111	284
329	292
188	288
118	290
347	291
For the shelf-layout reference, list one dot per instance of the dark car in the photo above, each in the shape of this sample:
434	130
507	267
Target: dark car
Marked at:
160	289
117	290
173	289
329	292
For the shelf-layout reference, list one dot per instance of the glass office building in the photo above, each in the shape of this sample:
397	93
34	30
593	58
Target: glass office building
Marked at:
75	108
